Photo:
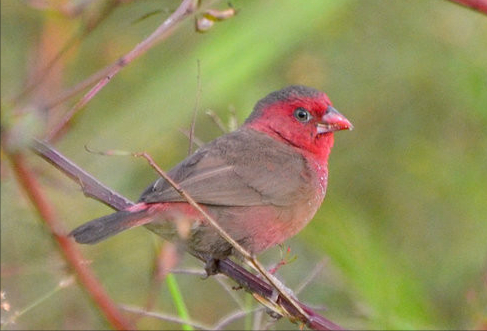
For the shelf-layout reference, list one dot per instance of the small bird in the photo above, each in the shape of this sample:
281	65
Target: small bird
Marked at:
262	183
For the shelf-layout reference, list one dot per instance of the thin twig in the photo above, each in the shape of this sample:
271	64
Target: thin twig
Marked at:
163	31
31	187
309	278
230	292
217	120
165	317
257	320
60	286
220	280
233	317
195	111
198	142
191	272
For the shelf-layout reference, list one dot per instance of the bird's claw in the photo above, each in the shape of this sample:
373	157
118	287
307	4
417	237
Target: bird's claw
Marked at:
211	267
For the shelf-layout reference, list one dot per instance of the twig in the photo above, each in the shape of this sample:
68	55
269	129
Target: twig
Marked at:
198	142
60	286
220	281
191	272
164	317
478	5
217	120
73	256
195	111
256	324
163	31
230	292
247	280
233	317
309	278
172	318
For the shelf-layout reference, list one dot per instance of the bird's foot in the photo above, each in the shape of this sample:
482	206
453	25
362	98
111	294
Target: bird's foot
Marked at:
211	267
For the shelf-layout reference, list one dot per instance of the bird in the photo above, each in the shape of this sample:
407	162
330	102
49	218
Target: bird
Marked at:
262	183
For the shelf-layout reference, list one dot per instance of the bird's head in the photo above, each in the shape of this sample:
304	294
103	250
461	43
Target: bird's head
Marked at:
301	116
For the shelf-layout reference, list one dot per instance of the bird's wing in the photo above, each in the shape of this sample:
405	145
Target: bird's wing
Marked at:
243	168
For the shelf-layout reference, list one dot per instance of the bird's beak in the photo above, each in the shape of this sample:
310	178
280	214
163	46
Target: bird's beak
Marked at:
332	120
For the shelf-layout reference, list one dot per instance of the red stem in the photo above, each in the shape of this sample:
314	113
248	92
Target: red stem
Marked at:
73	256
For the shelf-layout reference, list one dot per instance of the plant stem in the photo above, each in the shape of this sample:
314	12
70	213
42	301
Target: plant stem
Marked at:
178	300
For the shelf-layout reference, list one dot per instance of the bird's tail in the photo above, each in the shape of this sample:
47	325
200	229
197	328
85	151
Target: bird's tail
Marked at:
109	225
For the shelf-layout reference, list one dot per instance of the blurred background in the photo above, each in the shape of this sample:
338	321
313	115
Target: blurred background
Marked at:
402	234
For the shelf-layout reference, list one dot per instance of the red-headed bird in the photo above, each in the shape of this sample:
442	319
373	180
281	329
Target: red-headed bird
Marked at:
262	183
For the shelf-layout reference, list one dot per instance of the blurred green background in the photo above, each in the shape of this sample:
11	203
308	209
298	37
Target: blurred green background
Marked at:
403	230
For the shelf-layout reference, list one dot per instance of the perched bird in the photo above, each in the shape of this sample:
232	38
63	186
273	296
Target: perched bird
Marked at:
262	183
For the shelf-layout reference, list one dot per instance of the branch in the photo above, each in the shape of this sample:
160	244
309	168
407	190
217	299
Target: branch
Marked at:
91	187
105	75
31	187
253	284
478	5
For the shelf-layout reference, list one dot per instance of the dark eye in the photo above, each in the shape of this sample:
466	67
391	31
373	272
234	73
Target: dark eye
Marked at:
302	115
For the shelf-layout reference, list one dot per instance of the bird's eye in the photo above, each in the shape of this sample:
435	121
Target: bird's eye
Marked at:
302	114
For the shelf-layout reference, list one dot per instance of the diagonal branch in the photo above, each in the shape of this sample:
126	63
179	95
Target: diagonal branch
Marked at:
253	284
91	187
105	75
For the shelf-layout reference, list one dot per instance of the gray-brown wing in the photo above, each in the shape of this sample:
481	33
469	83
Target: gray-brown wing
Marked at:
243	168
